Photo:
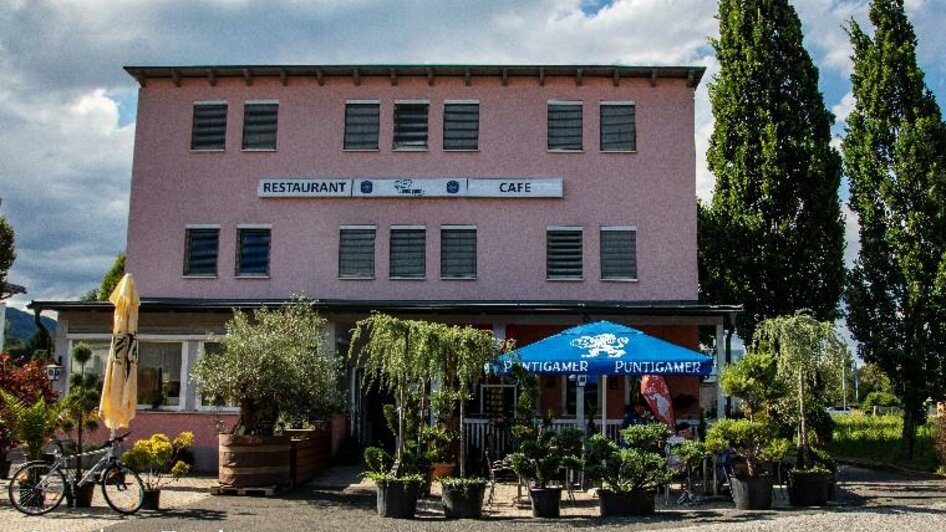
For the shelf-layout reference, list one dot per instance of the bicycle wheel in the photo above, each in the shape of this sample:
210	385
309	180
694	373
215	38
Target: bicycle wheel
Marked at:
123	489
36	488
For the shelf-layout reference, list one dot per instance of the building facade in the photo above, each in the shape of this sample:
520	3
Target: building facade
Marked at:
525	199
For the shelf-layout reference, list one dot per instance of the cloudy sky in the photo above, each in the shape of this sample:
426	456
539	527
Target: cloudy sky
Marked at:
67	109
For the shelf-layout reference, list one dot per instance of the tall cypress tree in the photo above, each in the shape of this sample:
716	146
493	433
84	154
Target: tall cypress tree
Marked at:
895	155
772	238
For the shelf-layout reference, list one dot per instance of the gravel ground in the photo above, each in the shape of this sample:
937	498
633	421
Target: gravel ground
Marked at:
869	500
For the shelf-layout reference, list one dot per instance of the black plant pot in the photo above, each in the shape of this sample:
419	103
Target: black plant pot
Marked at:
81	497
463	503
624	504
397	500
545	501
808	488
752	493
151	500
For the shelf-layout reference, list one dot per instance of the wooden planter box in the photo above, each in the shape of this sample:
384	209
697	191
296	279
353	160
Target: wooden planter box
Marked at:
311	452
254	461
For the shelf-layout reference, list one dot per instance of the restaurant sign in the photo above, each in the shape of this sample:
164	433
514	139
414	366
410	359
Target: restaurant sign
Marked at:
440	187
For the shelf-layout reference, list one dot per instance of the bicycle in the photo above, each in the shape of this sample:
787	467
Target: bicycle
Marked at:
38	487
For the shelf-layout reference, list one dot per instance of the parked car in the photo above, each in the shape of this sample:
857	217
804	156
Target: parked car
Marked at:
839	410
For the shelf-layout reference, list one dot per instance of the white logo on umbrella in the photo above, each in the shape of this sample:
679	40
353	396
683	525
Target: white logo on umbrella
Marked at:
603	343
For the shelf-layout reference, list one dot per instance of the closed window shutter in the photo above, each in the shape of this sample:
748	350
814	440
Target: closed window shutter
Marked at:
565	125
563	258
461	126
201	258
259	126
362	121
210	126
408	253
254	252
356	253
458	253
410	125
618	128
618	254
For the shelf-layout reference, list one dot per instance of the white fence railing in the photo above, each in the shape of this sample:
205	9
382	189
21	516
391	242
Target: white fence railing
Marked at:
482	434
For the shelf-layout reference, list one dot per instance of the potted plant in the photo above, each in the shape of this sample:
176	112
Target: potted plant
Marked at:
397	490
757	442
272	364
809	353
80	415
26	382
463	497
542	451
628	477
157	460
32	423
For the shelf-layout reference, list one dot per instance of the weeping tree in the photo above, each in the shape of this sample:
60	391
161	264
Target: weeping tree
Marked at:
806	351
405	357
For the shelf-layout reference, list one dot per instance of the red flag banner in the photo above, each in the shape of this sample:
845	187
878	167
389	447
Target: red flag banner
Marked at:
657	394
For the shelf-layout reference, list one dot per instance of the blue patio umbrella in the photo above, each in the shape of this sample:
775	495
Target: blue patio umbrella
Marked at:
605	348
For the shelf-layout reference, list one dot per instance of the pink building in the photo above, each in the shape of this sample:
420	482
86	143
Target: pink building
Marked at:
522	198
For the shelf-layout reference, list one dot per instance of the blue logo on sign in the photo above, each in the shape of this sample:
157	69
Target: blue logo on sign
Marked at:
453	187
366	187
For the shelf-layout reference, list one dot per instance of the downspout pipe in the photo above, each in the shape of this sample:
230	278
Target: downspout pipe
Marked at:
37	319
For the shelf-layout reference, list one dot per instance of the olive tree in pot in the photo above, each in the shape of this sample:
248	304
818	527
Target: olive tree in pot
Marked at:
275	362
80	415
809	353
758	443
628	478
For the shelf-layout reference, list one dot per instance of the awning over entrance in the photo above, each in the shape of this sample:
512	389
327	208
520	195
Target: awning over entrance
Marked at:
605	348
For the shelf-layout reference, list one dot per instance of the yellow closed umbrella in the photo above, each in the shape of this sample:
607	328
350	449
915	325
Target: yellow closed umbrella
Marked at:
120	390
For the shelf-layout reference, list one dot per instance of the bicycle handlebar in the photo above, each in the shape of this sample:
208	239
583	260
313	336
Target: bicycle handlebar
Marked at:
117	439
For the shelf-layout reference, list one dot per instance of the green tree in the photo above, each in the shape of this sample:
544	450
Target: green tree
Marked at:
871	378
112	277
7	249
894	154
772	238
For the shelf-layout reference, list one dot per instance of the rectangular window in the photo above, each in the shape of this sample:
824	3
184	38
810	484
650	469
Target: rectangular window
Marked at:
356	252
461	125
565	126
209	132
253	244
362	121
201	254
618	127
159	374
563	254
619	253
408	252
259	125
410	125
458	252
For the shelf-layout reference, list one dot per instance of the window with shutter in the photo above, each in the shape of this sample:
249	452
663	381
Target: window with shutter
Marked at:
410	126
259	126
565	126
253	256
209	130
356	252
619	253
458	252
563	253
362	121
408	252
461	126
618	127
201	251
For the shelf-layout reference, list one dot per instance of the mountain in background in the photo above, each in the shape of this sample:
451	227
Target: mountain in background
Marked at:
22	325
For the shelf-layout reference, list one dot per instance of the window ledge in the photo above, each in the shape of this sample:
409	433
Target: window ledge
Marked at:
618	151
565	279
407	278
360	150
208	150
353	278
617	280
199	276
258	150
461	150
415	150
251	276
473	278
565	151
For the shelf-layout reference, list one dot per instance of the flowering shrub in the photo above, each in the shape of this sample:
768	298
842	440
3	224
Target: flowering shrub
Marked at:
26	382
156	459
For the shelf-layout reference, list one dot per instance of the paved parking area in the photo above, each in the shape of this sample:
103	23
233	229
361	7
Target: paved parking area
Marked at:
869	500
